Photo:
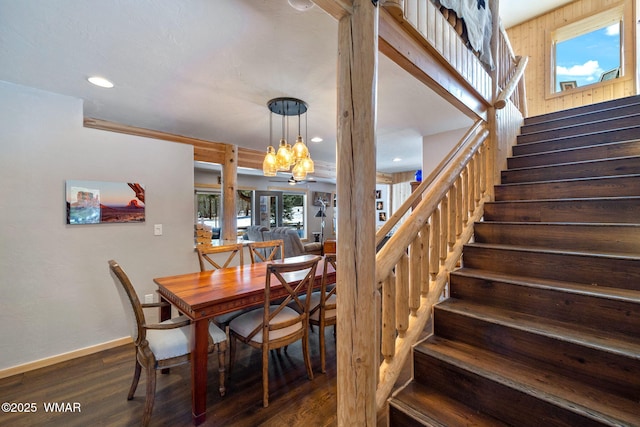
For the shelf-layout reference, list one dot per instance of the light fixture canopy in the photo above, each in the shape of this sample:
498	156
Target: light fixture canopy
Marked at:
296	159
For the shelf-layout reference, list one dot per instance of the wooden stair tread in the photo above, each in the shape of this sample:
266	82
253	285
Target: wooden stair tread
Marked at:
586	180
578	334
610	105
524	248
436	409
626	295
579	162
556	389
574	119
620	122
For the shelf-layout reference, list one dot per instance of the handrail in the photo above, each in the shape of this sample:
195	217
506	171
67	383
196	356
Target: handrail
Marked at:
393	220
511	86
389	255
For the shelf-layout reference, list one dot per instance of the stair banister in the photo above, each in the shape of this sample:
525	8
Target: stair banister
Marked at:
393	220
513	83
389	255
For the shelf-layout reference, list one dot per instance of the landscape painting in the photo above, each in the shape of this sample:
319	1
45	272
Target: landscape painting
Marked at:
95	202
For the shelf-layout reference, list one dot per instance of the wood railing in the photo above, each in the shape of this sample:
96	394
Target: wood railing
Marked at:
413	266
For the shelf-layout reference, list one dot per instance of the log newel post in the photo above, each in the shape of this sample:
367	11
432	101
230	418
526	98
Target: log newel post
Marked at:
357	361
229	193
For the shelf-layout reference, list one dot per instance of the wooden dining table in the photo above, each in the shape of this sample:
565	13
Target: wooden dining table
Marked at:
203	295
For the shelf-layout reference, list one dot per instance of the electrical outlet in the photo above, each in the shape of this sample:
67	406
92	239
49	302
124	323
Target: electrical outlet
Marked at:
148	298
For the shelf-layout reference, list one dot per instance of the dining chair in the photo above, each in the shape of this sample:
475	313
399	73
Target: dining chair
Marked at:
274	326
206	260
162	345
208	263
266	250
322	306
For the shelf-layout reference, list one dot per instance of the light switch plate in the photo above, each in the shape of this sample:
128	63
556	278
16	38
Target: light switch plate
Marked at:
157	230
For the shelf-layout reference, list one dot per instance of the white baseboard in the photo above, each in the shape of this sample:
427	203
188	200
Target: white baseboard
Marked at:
19	369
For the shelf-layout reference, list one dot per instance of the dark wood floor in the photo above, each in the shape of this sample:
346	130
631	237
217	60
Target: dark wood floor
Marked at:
100	382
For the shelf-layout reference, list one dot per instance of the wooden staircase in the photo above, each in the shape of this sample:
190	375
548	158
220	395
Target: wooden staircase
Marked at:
542	326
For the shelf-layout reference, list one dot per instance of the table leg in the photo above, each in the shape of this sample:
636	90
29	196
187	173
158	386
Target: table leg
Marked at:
199	347
165	314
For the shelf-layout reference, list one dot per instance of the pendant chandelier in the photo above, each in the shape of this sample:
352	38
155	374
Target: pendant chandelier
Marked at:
295	159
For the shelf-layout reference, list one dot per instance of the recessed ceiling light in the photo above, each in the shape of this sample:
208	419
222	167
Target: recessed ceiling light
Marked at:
397	159
301	5
100	81
316	139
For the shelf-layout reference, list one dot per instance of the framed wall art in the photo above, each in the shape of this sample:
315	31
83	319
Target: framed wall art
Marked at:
95	202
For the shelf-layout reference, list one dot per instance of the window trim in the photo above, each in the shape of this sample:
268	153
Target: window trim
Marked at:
582	25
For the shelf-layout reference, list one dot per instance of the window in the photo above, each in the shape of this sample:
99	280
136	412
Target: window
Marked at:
209	209
294	212
587	51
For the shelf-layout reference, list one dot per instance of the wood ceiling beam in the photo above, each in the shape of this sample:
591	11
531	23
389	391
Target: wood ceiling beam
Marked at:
203	150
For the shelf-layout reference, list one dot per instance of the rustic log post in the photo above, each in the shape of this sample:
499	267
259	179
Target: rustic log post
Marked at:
389	318
415	259
424	265
434	256
402	295
229	193
357	370
444	227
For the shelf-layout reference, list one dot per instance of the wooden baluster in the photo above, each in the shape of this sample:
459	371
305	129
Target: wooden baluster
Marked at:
459	207
451	231
465	191
388	318
415	259
444	227
483	170
434	256
472	176
424	265
402	294
478	170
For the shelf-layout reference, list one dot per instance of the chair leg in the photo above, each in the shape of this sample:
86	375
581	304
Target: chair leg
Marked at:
151	395
232	353
222	355
136	378
265	375
322	348
307	356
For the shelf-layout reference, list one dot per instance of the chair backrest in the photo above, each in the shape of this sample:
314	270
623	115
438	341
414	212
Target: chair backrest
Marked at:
205	252
130	302
296	279
292	242
266	251
326	292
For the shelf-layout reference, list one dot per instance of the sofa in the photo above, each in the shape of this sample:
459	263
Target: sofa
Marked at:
293	246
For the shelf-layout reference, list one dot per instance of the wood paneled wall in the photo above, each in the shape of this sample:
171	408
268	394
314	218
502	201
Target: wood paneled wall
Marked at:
530	39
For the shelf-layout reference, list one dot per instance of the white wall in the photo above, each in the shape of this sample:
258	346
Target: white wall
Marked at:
436	147
56	294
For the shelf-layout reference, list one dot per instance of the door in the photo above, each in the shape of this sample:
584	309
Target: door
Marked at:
268	208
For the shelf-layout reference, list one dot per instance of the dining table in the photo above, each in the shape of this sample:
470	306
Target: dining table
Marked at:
203	295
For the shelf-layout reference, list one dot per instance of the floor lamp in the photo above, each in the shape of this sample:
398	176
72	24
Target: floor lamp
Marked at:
322	215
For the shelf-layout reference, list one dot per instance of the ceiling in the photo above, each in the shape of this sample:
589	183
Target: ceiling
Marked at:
206	69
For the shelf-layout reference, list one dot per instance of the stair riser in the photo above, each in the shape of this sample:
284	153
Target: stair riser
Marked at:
623	136
581	119
612	316
623	273
574	237
580	188
600	369
597	210
614	124
571	154
398	418
613	167
491	397
610	106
